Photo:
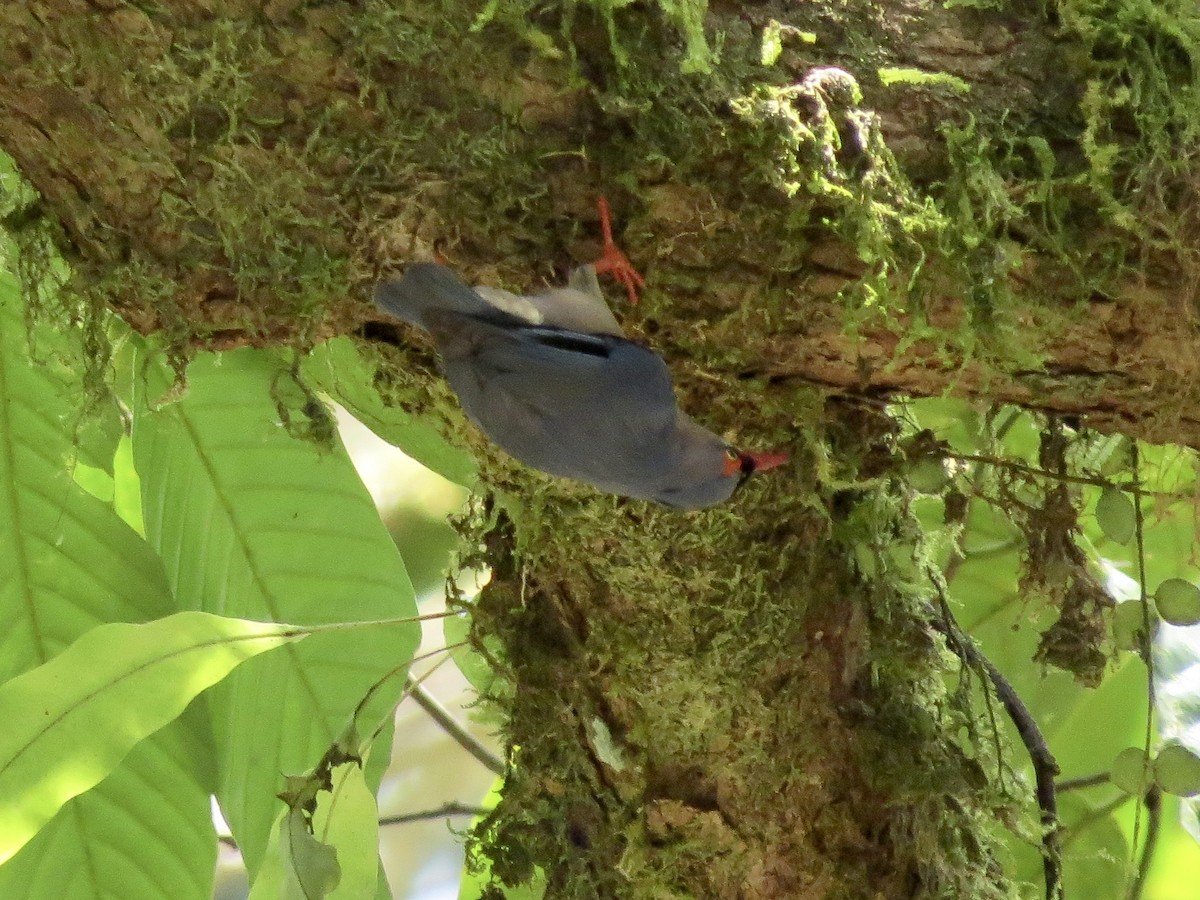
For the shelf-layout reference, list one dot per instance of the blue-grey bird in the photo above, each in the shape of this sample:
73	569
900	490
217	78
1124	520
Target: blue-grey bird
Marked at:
553	380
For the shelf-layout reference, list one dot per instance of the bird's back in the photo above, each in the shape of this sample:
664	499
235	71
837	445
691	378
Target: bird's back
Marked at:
598	408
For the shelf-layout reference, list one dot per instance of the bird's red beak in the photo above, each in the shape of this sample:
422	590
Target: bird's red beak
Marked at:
764	461
746	463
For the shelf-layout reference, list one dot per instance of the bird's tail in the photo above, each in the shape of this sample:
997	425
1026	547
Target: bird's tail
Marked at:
427	286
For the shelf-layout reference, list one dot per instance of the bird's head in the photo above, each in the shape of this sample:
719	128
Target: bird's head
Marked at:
706	471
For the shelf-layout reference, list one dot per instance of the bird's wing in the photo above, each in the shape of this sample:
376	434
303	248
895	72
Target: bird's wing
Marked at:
569	403
427	287
579	306
513	304
430	286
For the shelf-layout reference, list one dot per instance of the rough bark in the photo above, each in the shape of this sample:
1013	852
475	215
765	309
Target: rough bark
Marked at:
724	705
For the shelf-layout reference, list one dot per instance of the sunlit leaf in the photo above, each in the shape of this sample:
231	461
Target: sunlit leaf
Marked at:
70	564
69	722
347	819
255	522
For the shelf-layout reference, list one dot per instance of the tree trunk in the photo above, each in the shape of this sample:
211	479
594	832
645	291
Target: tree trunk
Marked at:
834	205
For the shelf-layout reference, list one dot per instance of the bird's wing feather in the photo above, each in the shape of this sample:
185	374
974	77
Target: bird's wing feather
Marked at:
579	306
511	303
430	287
565	402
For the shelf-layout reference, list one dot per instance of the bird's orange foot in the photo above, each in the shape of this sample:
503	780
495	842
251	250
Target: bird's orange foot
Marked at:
613	261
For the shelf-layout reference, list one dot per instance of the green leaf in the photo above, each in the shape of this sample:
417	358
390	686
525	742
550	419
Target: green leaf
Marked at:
928	475
127	488
347	819
1115	515
1178	601
1177	770
68	565
456	629
1129	625
312	868
338	368
255	523
338	857
1131	771
69	722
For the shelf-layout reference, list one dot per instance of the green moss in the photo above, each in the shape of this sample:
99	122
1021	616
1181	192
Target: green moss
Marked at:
1143	59
1079	186
816	143
685	16
890	75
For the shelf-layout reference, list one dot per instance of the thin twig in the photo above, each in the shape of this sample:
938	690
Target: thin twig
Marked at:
445	810
954	636
1024	468
1045	768
454	728
452	808
1153	802
1083	781
1147	649
409	683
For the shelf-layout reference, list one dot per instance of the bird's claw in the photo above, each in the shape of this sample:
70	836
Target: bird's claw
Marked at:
613	260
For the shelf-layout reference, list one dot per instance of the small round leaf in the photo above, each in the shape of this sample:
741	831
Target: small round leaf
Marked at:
1128	625
1115	515
928	475
1131	770
1177	770
1178	601
1116	456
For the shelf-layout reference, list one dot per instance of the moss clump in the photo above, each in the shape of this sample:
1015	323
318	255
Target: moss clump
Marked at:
817	141
747	679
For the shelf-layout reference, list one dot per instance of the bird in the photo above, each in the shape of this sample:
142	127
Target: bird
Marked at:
553	380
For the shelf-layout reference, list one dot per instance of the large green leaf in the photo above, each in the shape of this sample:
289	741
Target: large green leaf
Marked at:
72	720
255	523
70	564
